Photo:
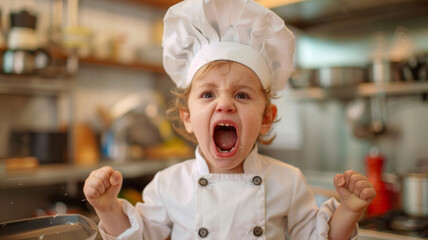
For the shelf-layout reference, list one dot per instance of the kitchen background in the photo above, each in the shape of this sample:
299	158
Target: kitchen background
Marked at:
106	60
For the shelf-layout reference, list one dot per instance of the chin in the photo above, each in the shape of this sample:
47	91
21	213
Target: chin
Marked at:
228	163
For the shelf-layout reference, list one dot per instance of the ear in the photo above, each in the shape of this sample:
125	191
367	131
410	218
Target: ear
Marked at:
268	118
185	117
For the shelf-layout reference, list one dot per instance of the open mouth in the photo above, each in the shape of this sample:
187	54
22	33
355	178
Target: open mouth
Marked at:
225	137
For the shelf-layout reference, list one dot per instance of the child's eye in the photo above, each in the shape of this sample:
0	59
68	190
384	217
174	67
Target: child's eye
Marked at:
207	95
242	95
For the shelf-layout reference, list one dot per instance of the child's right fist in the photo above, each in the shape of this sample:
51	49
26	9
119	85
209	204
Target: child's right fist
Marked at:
102	188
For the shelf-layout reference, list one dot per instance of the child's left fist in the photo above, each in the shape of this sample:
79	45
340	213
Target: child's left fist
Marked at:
355	191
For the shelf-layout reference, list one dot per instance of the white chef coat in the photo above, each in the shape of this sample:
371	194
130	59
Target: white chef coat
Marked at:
270	200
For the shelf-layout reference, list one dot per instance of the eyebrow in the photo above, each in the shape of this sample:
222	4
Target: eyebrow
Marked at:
234	86
245	86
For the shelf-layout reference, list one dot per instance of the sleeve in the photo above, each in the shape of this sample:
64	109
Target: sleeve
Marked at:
149	220
135	232
305	219
323	217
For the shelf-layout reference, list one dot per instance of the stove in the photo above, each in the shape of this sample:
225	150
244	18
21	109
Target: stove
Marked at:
397	222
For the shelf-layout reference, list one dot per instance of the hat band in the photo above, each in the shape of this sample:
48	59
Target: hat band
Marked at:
233	52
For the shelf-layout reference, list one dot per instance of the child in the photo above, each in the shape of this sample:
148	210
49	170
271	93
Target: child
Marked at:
228	57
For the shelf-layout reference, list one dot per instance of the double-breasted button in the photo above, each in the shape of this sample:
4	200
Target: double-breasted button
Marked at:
257	180
203	182
258	231
203	232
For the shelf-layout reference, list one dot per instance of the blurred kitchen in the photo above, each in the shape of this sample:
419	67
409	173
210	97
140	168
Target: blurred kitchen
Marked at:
82	86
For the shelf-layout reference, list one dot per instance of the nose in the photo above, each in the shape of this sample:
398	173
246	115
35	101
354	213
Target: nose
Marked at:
225	104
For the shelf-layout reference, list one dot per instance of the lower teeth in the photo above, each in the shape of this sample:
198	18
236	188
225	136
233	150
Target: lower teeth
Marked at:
223	151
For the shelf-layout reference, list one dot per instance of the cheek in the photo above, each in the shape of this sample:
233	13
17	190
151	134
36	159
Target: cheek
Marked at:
200	123
252	122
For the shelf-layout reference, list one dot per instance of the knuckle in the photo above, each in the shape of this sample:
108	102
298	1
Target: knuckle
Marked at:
358	186
91	193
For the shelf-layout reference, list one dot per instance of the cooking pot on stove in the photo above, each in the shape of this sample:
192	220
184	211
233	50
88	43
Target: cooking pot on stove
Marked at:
414	194
331	77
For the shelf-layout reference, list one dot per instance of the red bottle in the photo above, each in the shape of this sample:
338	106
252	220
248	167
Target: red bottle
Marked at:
382	202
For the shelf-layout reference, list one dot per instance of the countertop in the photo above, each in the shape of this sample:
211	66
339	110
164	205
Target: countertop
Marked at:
64	173
366	234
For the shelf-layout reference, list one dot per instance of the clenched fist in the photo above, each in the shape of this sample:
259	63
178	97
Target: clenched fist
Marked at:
102	188
355	191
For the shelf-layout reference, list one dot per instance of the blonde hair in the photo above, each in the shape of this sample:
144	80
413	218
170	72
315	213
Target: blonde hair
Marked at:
180	103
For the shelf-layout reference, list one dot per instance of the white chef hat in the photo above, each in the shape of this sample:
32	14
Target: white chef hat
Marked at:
197	32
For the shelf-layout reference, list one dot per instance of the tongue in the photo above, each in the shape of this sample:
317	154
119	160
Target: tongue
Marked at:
225	138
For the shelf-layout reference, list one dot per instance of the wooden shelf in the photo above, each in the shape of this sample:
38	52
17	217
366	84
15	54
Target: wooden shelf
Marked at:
156	3
57	53
362	90
31	85
150	67
136	65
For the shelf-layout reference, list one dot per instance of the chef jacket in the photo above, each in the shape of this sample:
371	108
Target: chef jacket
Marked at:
270	200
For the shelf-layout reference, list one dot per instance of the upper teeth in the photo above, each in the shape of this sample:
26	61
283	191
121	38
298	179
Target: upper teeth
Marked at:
224	124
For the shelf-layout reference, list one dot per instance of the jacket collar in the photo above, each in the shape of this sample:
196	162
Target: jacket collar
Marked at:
252	163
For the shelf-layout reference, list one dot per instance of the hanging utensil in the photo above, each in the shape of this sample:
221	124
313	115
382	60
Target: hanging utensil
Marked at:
377	105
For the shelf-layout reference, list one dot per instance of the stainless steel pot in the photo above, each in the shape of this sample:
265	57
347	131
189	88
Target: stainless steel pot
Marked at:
341	76
415	194
384	71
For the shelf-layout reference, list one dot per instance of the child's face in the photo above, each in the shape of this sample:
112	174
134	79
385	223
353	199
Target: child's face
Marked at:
227	110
